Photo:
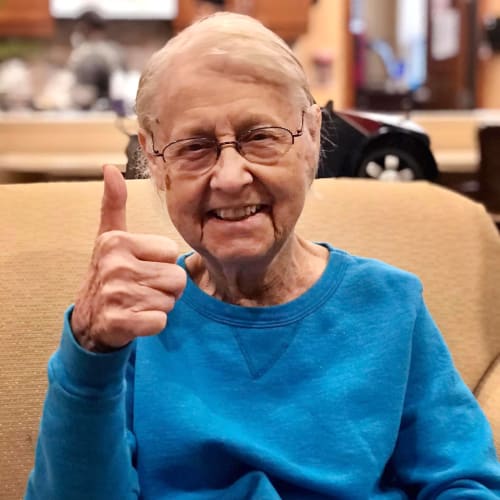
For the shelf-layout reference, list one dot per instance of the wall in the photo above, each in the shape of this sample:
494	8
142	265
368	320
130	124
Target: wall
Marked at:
328	34
379	27
41	77
328	38
489	77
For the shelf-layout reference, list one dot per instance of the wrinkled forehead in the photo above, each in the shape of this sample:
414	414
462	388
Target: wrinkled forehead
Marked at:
231	66
218	77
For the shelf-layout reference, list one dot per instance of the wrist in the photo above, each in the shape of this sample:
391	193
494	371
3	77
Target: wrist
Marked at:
80	329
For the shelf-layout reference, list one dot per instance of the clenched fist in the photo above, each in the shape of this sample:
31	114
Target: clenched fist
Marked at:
133	280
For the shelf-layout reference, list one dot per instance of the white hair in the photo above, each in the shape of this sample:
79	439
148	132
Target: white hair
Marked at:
244	40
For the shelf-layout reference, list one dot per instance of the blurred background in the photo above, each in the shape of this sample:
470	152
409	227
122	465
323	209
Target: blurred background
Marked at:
69	71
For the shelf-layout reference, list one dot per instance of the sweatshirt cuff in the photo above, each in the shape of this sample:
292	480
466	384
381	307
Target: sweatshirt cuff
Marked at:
90	369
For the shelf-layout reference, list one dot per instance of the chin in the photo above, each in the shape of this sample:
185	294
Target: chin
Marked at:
239	253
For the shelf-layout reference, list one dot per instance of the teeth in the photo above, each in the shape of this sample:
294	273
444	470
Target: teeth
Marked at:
236	213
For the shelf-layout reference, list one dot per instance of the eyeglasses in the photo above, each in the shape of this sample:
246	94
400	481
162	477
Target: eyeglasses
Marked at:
262	145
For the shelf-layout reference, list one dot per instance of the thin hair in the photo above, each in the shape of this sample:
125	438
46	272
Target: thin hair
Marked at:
242	40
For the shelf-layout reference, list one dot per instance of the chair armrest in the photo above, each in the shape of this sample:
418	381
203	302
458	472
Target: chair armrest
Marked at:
488	396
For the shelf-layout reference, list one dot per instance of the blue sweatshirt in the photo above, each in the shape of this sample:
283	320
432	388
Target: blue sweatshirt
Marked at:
347	392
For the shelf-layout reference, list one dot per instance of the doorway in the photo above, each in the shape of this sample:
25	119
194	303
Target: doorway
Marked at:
414	54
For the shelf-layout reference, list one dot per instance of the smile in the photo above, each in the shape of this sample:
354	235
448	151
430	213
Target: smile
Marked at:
236	213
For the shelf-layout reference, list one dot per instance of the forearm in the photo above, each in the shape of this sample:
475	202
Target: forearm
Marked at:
445	448
83	450
472	490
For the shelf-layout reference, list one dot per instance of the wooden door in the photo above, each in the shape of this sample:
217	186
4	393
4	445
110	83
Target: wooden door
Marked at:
451	54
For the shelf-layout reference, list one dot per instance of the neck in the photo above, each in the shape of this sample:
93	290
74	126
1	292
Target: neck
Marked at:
296	267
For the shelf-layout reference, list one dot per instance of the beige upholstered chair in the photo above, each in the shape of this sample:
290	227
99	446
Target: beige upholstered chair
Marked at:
46	235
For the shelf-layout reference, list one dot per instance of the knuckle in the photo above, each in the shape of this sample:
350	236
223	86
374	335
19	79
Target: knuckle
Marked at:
159	323
114	321
178	277
111	240
149	323
112	266
172	248
169	248
168	303
112	294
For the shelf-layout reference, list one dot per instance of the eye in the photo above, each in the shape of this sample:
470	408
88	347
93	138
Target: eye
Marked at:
192	148
260	135
196	145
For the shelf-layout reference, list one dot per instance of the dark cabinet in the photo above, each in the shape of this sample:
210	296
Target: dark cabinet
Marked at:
26	18
288	18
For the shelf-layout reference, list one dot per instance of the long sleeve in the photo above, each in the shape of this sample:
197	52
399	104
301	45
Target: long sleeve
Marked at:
445	449
84	448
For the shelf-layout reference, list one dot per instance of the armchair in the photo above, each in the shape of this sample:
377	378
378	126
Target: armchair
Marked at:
46	236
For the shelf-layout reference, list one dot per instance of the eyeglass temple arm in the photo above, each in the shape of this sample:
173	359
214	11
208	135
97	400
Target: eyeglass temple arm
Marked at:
300	130
155	151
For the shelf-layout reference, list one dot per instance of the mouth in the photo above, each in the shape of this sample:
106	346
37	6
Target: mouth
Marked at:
237	213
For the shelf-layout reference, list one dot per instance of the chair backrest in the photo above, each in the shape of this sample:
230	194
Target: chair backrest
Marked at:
47	232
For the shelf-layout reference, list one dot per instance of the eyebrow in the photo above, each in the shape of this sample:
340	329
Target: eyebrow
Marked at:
193	129
241	124
254	120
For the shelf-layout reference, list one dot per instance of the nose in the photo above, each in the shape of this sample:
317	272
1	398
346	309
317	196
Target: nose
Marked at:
230	173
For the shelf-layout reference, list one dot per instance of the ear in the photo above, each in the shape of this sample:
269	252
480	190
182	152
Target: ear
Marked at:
313	123
155	163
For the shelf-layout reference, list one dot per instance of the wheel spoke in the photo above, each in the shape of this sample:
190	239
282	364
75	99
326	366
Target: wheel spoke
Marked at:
391	162
406	174
373	169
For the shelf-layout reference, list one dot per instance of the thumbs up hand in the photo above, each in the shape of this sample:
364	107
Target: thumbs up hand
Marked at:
133	280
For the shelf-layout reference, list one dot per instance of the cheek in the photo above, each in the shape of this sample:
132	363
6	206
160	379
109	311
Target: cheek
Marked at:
168	182
287	183
290	191
304	170
184	200
182	218
310	159
177	207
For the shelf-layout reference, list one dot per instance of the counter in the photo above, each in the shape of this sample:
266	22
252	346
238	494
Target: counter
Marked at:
62	145
67	145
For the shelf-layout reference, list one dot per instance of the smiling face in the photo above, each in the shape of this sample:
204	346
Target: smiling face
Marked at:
236	212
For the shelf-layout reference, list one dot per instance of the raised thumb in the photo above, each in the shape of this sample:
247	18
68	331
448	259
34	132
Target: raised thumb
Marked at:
114	201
